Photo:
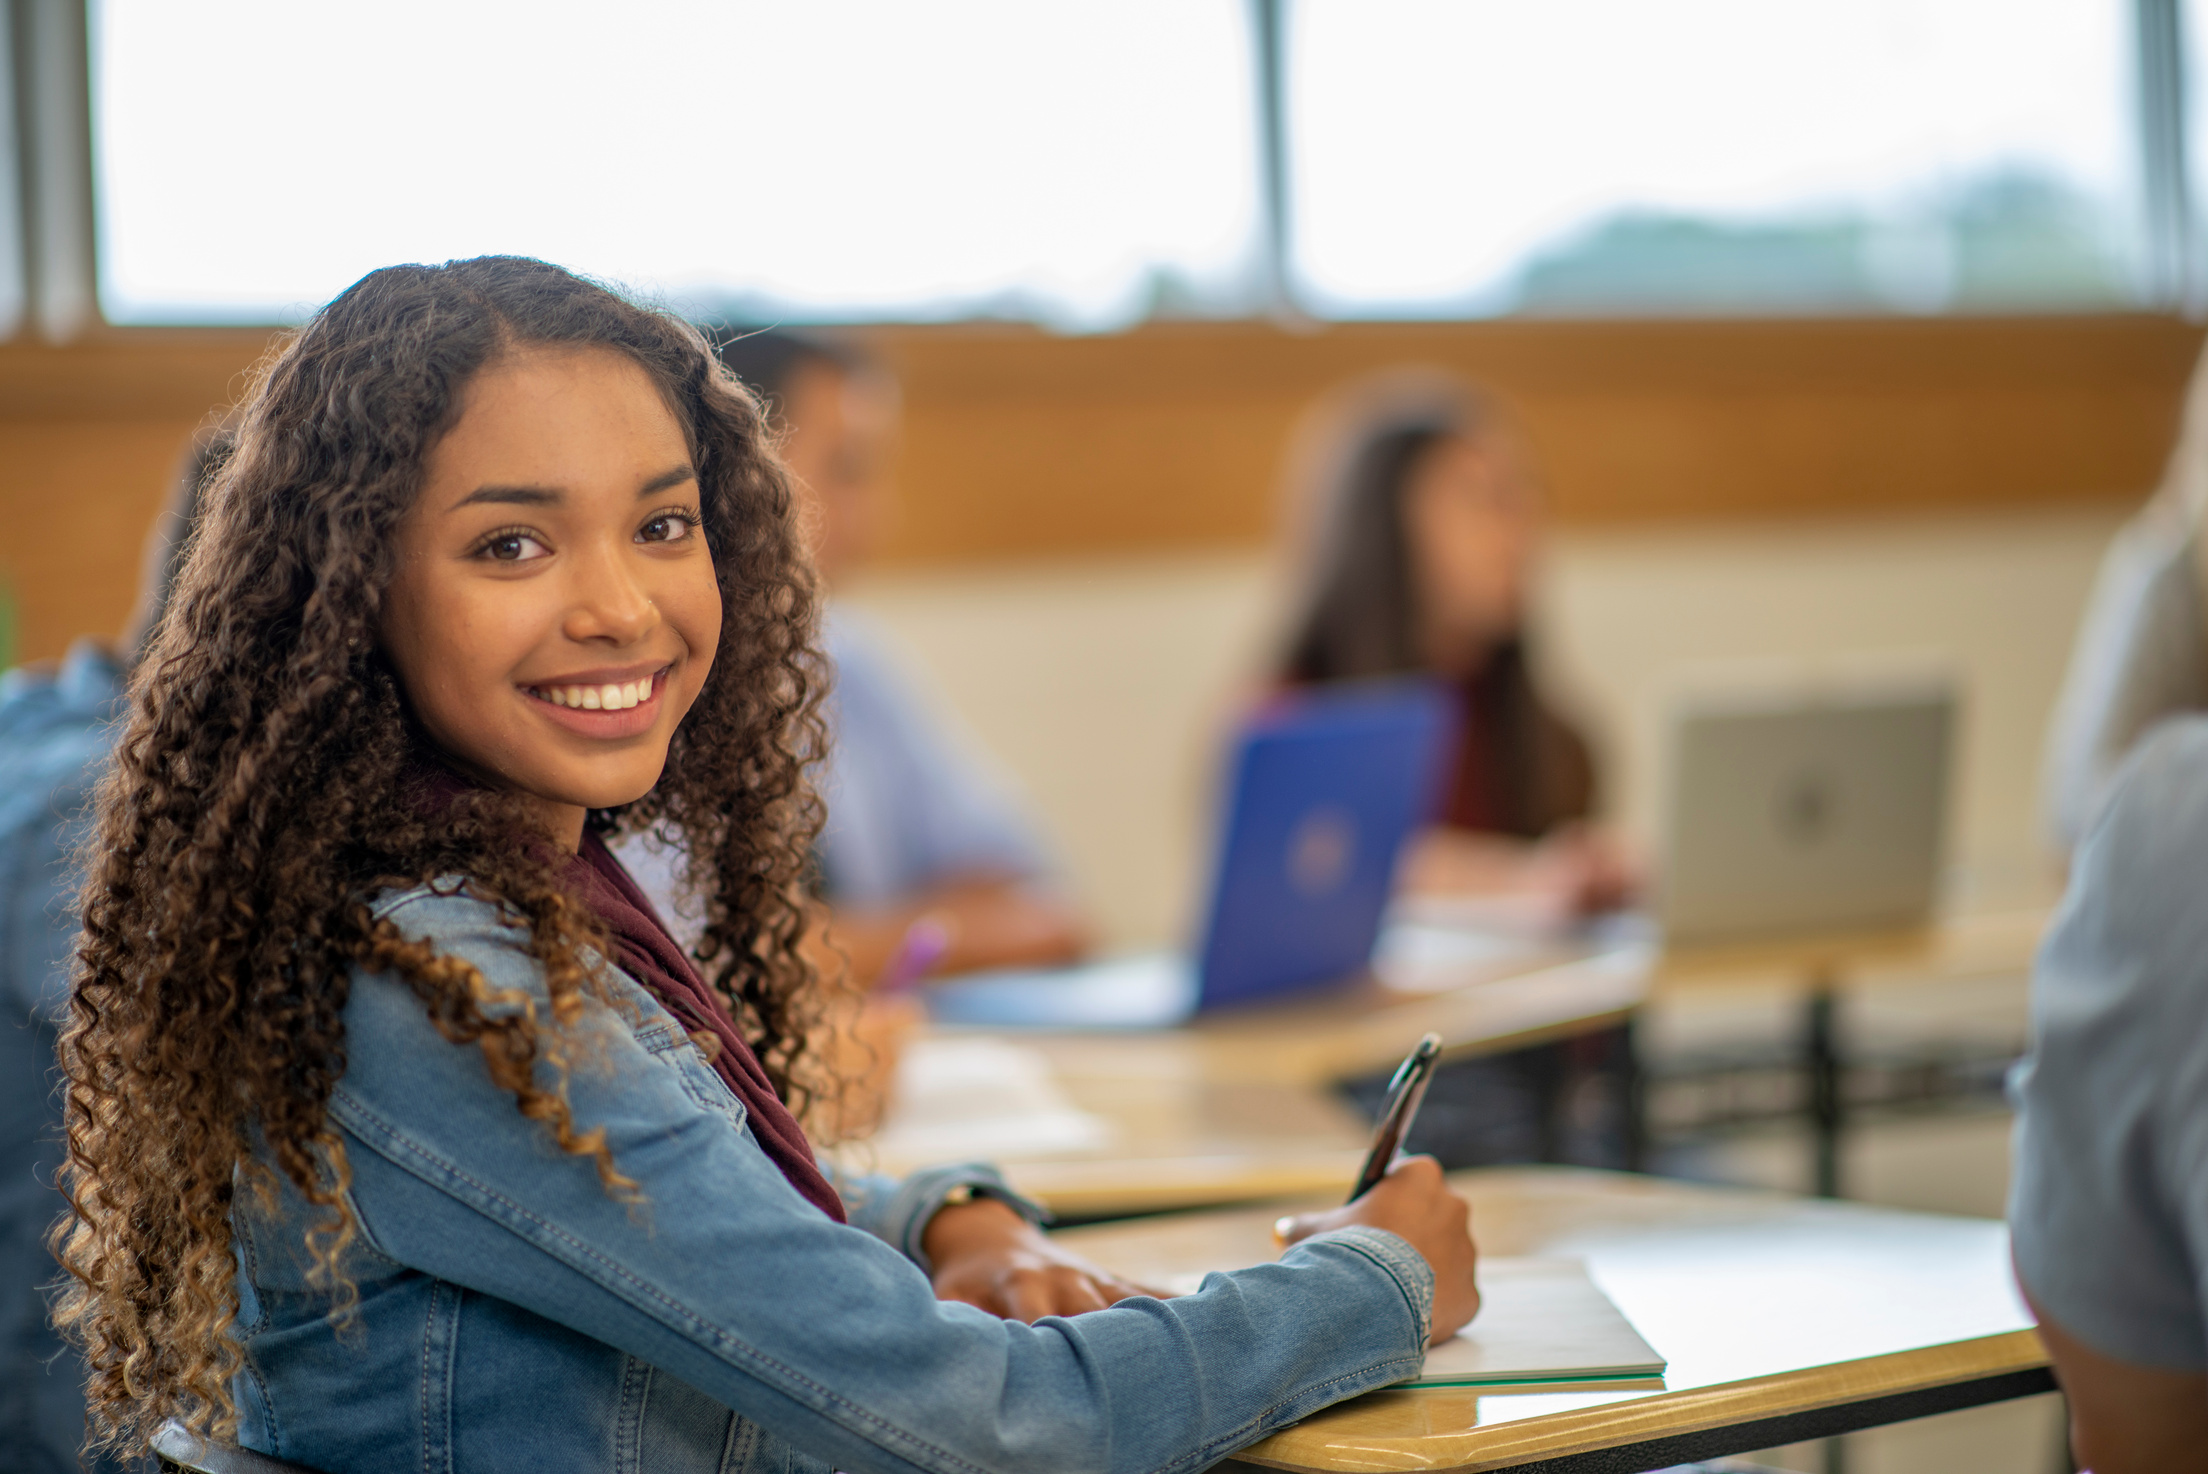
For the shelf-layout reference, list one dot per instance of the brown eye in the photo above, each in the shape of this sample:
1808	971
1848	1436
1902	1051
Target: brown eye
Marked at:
667	527
514	547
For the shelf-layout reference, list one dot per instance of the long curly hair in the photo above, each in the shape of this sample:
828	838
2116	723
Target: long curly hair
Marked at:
259	798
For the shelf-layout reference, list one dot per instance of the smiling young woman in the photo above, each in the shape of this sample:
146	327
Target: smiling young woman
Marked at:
554	608
503	566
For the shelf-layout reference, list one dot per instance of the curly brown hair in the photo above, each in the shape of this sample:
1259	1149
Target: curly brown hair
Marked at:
261	794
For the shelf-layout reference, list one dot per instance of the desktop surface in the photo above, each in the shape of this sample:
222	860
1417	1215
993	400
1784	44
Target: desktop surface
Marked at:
1766	1307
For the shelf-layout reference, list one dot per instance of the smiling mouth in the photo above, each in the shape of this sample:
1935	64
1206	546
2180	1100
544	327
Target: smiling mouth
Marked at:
612	696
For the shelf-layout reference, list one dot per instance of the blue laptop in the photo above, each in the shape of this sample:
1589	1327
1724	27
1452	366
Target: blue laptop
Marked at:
1326	785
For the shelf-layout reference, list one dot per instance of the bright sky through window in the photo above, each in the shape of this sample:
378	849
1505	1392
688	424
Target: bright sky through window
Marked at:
832	159
1601	155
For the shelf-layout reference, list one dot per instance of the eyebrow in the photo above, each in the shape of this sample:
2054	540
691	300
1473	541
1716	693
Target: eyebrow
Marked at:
552	496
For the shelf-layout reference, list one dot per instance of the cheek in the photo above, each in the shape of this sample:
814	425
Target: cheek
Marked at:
451	645
693	607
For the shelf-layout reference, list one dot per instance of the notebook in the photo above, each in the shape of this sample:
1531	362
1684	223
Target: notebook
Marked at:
1541	1321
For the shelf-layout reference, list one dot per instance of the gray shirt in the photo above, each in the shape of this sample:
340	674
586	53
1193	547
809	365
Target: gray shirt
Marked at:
2109	1208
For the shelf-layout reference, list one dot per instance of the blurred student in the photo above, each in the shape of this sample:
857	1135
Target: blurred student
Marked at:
2109	1207
1420	513
2142	648
56	726
1420	522
923	837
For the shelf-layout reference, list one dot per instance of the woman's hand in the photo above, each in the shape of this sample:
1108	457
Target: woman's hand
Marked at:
1576	871
987	1255
1414	1203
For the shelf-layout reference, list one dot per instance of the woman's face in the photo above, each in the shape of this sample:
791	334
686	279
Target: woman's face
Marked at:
1471	513
555	610
841	427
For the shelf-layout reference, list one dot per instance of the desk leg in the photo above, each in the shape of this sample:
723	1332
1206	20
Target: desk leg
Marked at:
1634	1087
1822	1063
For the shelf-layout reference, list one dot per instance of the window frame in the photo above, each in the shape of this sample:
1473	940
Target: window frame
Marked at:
48	231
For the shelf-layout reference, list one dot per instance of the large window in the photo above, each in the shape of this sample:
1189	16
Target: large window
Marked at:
1082	165
1087	166
1460	156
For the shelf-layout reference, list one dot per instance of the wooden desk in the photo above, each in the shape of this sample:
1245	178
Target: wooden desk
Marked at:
1176	1137
1782	1318
1964	944
1240	1106
1509	1000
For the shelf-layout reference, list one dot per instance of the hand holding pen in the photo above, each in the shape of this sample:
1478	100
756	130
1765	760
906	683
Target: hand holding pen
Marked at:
1409	1197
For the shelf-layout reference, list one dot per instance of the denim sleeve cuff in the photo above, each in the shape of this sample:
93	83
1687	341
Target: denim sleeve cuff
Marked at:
1404	1264
913	1206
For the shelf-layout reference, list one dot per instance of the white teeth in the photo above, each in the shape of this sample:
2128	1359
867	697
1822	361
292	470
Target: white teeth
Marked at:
599	698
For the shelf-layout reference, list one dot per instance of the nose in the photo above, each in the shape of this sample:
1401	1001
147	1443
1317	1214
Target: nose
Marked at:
608	604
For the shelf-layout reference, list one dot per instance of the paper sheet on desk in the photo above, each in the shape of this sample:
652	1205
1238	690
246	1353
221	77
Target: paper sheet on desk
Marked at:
1435	944
961	1099
1541	1321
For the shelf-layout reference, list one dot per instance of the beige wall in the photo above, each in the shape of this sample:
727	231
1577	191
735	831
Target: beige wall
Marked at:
1103	683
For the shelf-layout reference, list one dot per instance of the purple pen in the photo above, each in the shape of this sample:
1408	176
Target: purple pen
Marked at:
920	948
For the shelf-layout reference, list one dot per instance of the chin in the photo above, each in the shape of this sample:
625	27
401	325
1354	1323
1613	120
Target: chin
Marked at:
595	790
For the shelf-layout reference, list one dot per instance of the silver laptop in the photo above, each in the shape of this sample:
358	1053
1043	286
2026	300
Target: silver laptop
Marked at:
1806	811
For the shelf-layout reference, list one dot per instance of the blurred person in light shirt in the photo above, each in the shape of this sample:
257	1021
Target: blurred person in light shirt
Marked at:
928	864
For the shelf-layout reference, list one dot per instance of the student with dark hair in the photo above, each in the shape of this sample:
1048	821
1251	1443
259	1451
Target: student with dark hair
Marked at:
401	1131
1415	520
920	829
56	725
1419	516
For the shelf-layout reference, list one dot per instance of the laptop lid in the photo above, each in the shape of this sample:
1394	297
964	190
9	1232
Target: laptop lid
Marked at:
1327	784
1806	811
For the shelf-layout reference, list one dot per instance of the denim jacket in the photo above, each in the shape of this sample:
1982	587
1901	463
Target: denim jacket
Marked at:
512	1314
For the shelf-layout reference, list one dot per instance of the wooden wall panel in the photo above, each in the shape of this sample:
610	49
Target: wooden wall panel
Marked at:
1019	444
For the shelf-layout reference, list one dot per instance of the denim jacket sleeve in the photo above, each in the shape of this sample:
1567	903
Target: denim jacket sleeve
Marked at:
824	1333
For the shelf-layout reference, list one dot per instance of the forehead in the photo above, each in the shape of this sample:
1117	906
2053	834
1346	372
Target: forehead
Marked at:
573	413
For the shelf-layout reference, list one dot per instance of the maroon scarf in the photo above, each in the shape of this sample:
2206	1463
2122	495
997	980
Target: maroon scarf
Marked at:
646	951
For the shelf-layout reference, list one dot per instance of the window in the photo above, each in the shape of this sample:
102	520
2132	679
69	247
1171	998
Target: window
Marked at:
1088	166
836	159
1456	157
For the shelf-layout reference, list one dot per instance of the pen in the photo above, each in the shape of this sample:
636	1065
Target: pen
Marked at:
1406	1092
920	948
